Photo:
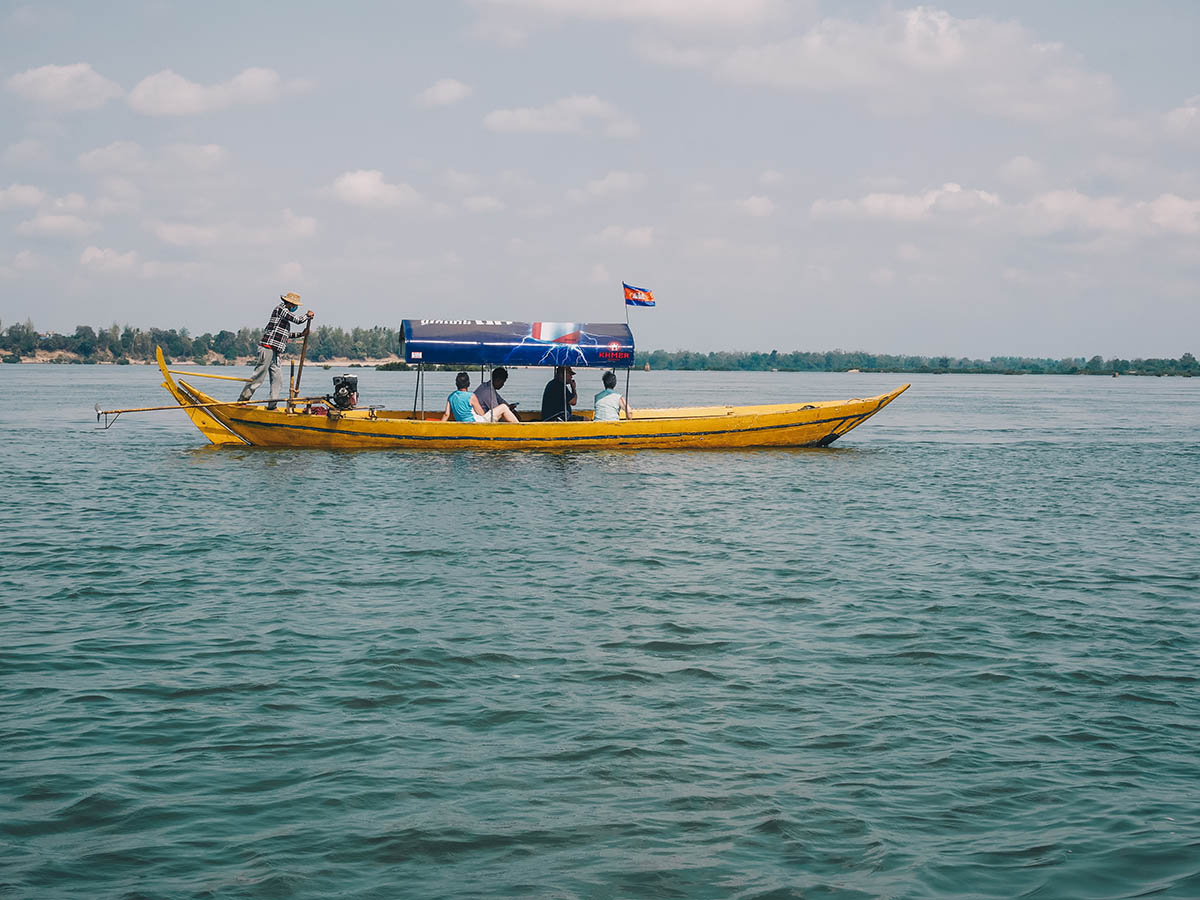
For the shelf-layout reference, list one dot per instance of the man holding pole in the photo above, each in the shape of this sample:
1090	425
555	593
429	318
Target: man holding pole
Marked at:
274	341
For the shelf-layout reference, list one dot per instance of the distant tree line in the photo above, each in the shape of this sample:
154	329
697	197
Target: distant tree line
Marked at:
117	344
124	344
843	361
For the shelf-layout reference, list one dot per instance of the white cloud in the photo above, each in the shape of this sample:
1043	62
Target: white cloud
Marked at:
482	204
443	93
119	156
600	275
183	234
27	260
503	34
758	206
1172	213
167	93
291	272
1050	212
71	203
640	236
1184	121
691	13
53	225
295	226
770	177
174	271
30	16
569	115
916	60
723	248
108	260
908	253
612	183
1068	210
948	199
366	188
459	181
117	196
1063	210
200	157
1021	170
17	195
72	87
290	227
22	152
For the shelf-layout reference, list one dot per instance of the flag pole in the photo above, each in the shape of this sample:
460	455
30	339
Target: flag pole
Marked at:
630	369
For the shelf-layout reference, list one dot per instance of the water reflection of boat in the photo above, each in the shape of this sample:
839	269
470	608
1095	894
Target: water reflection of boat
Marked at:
309	424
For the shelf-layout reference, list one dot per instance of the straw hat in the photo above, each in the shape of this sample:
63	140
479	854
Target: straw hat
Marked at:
291	299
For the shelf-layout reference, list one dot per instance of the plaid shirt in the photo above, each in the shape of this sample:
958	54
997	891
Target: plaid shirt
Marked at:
277	334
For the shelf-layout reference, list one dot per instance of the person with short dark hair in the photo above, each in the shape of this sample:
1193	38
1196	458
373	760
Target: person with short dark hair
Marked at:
274	341
560	395
608	403
464	405
488	393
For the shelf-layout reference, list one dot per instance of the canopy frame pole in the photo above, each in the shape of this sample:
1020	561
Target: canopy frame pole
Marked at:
627	373
416	388
300	369
422	392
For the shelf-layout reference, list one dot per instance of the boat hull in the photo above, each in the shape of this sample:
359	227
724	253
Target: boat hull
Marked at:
689	428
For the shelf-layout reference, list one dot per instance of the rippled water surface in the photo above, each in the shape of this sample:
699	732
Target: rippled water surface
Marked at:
954	655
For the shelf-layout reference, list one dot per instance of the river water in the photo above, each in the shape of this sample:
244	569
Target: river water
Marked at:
954	655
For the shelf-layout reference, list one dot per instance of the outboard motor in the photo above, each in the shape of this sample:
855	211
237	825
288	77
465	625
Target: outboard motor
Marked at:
345	391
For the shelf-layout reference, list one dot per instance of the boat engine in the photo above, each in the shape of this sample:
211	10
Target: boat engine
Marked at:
345	391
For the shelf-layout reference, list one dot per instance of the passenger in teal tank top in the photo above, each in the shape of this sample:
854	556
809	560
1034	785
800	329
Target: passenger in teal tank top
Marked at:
464	406
609	404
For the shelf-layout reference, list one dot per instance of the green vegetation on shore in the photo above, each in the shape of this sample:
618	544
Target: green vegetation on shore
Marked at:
122	345
117	344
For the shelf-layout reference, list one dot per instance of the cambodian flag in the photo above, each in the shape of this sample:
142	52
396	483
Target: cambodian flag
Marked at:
635	296
556	332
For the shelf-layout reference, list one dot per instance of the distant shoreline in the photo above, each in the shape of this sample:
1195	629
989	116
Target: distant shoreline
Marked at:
62	357
396	363
381	347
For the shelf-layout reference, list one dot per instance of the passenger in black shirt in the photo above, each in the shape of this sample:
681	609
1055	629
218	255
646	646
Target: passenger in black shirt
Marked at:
561	386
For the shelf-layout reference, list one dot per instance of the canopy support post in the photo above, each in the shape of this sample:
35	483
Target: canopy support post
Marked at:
416	388
627	371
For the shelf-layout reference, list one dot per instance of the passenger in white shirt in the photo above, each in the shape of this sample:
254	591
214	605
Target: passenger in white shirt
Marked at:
609	403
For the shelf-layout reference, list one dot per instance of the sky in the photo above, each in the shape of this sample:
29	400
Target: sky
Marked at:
963	179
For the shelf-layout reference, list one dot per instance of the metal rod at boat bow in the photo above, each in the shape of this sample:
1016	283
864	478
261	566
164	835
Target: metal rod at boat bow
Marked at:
116	412
206	375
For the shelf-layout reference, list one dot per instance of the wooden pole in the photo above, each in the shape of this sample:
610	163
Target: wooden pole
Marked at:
303	351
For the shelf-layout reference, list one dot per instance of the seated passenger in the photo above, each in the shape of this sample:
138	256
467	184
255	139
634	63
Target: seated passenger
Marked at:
488	393
608	402
465	407
559	395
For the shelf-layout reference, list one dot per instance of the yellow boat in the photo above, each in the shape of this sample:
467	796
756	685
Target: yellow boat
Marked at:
321	426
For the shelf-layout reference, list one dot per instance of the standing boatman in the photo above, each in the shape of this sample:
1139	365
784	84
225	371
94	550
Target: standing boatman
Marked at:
274	341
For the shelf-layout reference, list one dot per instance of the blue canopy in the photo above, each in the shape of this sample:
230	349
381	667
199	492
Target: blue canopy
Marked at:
475	342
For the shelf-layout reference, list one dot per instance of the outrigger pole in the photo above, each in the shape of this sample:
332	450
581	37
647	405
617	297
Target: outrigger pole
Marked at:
206	375
115	413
